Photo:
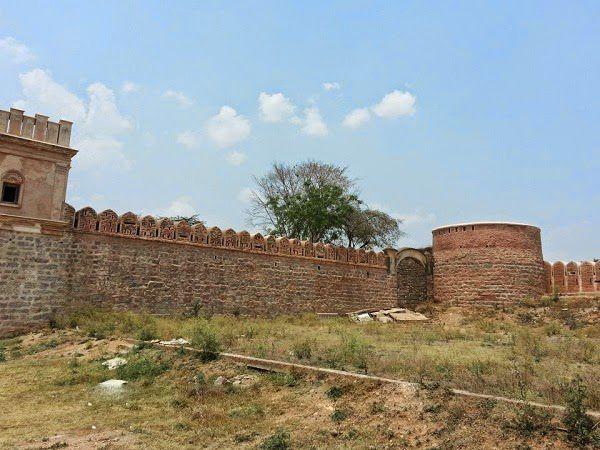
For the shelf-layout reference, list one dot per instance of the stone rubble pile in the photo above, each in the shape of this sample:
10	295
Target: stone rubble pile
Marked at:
386	315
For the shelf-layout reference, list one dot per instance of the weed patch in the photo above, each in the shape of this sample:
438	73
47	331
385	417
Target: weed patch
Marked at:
280	440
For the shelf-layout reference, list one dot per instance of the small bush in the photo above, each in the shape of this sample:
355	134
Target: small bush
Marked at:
284	379
553	329
245	437
146	334
141	367
578	423
529	420
377	407
339	415
2	355
334	392
247	411
78	373
302	349
181	426
206	340
279	441
352	350
44	345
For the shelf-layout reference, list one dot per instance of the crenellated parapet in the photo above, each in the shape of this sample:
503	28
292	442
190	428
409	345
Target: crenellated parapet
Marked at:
572	277
38	128
147	227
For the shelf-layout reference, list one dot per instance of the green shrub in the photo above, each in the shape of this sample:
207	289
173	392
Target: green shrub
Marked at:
41	346
205	339
377	407
334	392
141	367
247	411
78	373
146	334
279	441
2	355
284	379
302	349
529	420
339	415
579	425
245	436
353	350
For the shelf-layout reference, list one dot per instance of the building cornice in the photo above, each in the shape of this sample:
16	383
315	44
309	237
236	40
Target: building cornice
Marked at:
36	149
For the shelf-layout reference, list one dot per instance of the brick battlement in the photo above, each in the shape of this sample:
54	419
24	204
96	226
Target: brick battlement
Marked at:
572	277
149	227
37	128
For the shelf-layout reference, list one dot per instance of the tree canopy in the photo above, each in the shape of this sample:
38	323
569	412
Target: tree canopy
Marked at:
316	201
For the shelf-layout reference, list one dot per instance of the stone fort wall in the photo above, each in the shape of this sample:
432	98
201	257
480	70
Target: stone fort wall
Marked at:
163	267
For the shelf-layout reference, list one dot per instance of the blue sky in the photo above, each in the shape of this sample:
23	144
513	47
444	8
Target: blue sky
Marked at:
461	111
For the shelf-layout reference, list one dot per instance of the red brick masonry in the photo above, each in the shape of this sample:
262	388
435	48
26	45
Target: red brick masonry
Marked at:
487	263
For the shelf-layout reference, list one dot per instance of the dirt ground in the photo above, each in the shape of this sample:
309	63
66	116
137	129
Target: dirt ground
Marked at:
50	399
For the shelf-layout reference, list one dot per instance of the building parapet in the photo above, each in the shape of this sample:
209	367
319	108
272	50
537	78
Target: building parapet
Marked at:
572	277
38	128
149	227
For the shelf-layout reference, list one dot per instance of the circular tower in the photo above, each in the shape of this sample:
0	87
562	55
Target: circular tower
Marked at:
487	263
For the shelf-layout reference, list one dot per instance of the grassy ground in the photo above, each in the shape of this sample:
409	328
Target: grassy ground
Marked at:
49	395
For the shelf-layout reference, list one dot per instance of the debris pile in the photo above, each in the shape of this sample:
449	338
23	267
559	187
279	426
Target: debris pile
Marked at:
238	380
386	315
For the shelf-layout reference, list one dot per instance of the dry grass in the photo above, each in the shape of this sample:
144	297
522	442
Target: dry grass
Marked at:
527	351
172	402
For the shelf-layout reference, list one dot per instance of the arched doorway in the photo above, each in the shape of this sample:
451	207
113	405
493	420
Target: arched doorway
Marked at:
411	276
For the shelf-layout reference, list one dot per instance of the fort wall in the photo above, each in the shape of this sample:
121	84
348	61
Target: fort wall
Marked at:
572	277
174	268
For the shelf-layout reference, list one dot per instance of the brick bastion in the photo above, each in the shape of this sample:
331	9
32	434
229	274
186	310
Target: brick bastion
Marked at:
487	262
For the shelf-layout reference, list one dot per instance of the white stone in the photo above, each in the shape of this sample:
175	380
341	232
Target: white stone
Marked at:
112	385
112	364
178	341
364	317
220	381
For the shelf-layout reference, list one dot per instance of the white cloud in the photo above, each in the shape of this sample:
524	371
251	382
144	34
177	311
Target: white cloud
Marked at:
129	87
179	97
15	51
103	116
395	104
188	139
313	124
181	206
45	96
357	117
275	107
98	122
100	151
331	86
236	158
245	195
227	128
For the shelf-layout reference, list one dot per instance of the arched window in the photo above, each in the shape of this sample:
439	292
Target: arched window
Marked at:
12	188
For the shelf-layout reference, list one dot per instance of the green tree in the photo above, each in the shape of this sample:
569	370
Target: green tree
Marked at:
316	213
368	228
319	202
